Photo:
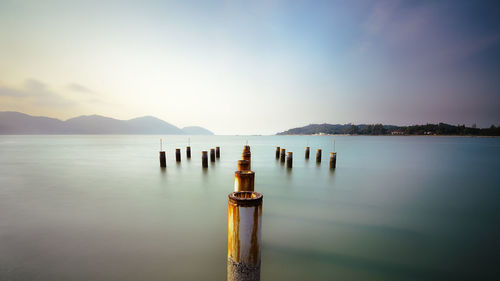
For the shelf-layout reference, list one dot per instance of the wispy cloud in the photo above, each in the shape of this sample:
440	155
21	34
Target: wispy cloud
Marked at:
80	88
35	92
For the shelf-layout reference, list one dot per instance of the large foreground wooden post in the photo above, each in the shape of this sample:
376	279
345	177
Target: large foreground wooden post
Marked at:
244	236
283	155
307	152
163	160
244	181
188	151
318	155
178	155
204	159
243	165
217	152
289	159
333	160
212	155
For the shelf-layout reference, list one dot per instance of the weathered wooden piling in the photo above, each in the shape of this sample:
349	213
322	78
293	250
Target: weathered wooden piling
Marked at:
277	152
307	152
244	180
318	155
212	155
163	160
247	155
243	165
217	152
289	159
188	151
204	159
283	155
177	155
333	160
244	236
246	148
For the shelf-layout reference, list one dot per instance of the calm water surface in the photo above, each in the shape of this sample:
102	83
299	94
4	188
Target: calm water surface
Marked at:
396	208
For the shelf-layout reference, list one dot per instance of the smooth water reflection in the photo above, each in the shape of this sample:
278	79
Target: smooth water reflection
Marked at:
395	208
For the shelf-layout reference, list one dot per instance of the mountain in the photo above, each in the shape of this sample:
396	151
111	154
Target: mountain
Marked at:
379	129
20	123
196	130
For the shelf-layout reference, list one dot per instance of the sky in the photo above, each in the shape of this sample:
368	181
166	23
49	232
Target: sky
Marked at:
253	67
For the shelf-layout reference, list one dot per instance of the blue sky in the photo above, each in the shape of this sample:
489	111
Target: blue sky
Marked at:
253	67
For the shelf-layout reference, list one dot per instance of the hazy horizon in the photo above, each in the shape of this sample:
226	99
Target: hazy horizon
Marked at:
253	68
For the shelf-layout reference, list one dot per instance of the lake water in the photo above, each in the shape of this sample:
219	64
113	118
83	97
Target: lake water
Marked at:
395	208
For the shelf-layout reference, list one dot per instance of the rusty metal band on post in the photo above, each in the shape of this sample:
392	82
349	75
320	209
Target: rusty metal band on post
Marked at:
163	160
188	151
244	236
217	152
212	155
204	159
333	160
244	181
277	152
307	152
178	155
289	159
243	165
283	155
318	155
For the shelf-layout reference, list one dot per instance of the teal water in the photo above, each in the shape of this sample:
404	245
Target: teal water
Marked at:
396	208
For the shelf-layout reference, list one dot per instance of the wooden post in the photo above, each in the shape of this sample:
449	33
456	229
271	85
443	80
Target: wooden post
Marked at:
243	165
163	160
307	152
283	155
247	155
217	152
212	155
318	155
244	236
246	148
188	151
204	159
177	155
289	159
244	180
277	152
333	160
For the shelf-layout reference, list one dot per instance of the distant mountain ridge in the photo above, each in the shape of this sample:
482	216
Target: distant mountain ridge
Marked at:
379	129
20	123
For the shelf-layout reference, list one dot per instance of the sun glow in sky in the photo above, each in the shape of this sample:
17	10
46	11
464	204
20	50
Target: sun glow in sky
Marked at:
253	67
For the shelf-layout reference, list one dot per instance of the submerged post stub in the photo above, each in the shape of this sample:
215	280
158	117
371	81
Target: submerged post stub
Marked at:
204	159
243	165
244	180
318	155
177	155
163	160
212	155
277	152
244	236
283	155
217	152
289	159
188	151
307	152
333	160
